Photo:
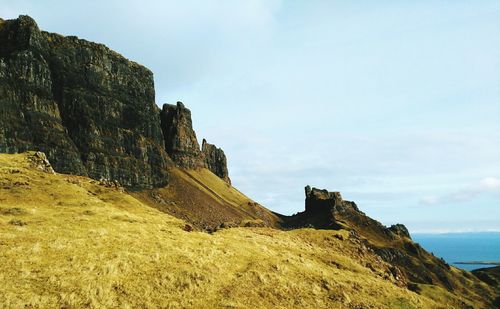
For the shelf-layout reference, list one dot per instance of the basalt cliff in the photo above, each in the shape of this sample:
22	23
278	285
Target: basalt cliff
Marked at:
90	110
100	155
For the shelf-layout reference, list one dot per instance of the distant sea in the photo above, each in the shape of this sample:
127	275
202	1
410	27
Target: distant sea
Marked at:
462	247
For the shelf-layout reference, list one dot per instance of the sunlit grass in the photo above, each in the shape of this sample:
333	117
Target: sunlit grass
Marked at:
83	244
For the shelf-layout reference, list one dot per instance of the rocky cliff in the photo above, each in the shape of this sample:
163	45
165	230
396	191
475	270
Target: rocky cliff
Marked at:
180	139
215	160
322	209
89	109
182	145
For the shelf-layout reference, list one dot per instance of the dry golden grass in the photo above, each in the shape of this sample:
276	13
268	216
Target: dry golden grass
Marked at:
66	241
206	201
213	185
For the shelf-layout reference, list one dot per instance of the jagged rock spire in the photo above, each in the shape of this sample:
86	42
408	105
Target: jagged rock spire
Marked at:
180	139
215	160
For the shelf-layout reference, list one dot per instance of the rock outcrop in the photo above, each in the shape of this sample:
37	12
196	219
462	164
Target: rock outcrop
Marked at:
39	161
88	108
180	139
318	201
321	210
29	114
215	160
400	229
182	145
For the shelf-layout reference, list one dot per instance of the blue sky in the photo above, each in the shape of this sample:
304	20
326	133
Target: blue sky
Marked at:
394	103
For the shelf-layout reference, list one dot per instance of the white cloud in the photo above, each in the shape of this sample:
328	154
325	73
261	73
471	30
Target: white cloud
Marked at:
490	183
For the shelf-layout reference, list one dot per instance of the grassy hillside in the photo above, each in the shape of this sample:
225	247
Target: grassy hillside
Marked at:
68	241
206	201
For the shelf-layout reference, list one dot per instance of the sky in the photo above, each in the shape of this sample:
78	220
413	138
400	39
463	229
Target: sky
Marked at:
396	104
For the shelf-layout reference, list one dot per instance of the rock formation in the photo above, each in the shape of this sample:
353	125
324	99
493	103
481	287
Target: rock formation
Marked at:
321	209
39	161
182	145
89	109
400	230
30	117
318	201
215	160
180	139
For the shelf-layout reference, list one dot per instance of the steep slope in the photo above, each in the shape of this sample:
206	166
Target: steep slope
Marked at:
419	269
70	241
207	201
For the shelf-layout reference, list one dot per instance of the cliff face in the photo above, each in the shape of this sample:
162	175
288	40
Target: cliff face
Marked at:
215	160
88	108
30	115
